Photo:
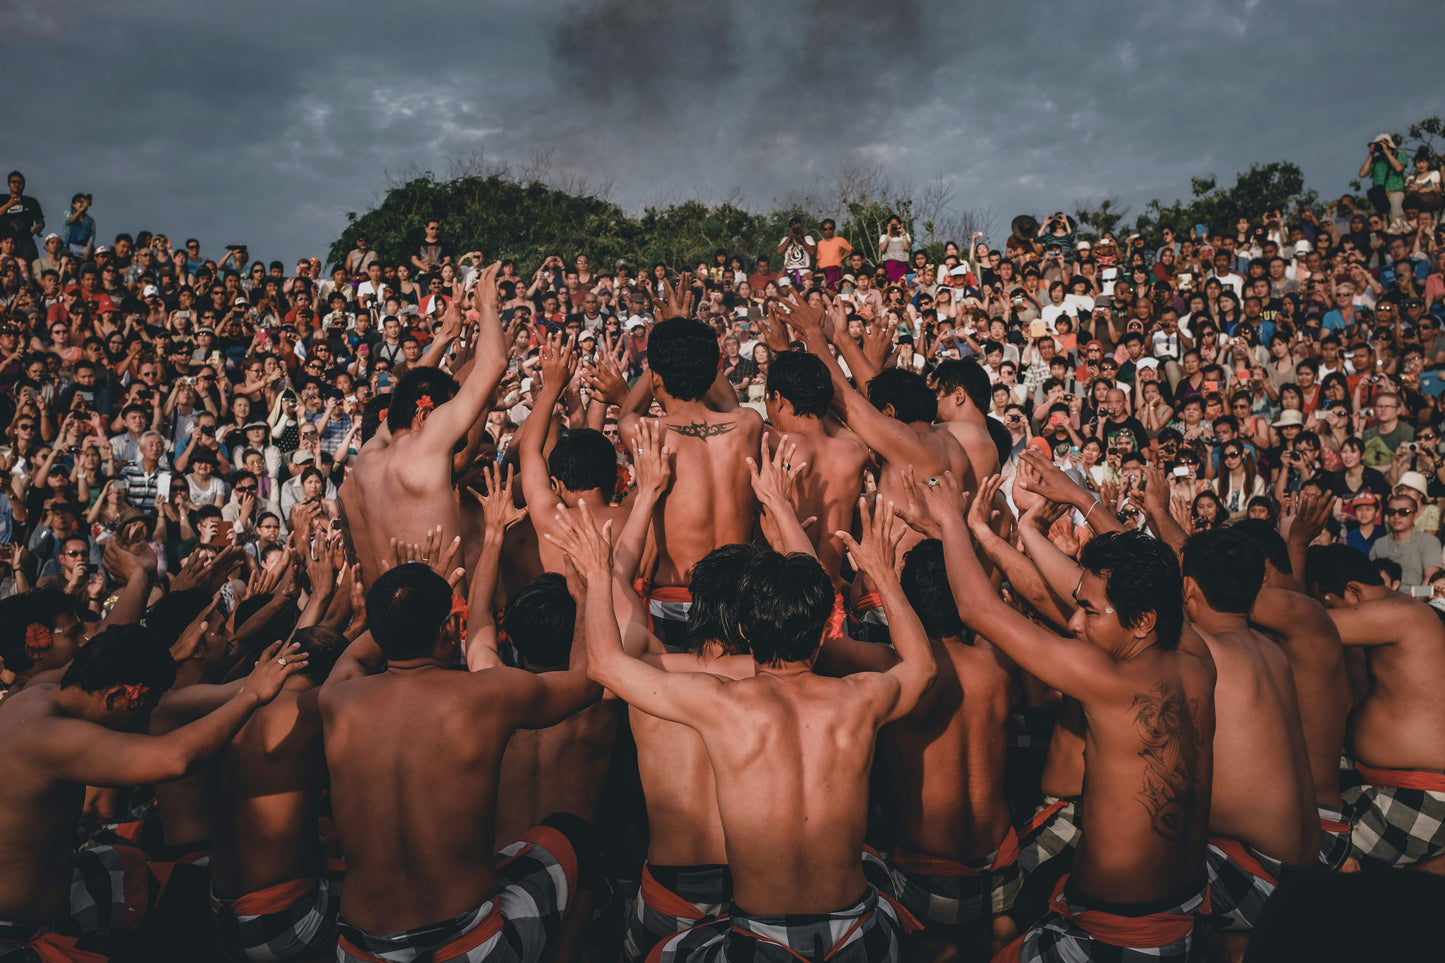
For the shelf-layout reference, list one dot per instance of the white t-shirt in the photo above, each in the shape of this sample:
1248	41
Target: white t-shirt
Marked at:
795	255
1051	313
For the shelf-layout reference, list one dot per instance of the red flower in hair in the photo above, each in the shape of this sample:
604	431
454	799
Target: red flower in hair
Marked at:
133	696
384	413
38	638
424	405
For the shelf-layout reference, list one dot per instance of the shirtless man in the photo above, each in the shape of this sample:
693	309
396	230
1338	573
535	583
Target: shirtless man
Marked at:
1307	635
954	863
895	420
415	754
791	751
963	389
582	464
271	896
63	737
403	481
1398	739
1262	820
716	506
1146	688
799	393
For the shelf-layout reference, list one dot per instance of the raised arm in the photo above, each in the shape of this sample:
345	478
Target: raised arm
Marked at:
1025	576
76	751
773	484
450	421
1071	665
905	683
500	512
559	364
683	697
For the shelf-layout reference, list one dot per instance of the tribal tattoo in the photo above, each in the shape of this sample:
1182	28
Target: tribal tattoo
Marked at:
1165	723
703	430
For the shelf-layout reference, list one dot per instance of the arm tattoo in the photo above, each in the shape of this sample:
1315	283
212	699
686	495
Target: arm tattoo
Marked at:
703	430
1165	723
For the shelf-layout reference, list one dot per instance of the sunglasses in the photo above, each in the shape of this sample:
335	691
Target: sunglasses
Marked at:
1398	512
74	554
245	488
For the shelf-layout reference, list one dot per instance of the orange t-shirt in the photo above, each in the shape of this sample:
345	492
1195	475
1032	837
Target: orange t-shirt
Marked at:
832	250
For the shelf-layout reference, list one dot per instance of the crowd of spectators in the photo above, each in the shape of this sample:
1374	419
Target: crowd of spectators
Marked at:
205	397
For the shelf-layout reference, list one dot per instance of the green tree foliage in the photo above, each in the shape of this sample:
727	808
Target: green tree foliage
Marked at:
1258	190
1097	220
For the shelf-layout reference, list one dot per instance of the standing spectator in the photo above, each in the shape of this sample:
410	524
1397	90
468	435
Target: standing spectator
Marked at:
430	256
893	248
80	227
831	251
21	217
797	250
1385	167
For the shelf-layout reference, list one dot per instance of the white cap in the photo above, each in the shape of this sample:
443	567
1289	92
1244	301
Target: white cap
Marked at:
151	291
1147	363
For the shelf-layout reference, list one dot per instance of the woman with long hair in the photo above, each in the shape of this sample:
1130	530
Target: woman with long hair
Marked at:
1238	479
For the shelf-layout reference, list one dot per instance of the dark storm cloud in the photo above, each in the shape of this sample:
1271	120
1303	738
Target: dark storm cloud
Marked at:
266	122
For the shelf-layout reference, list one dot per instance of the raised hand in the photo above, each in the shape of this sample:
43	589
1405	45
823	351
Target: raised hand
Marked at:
277	664
1046	479
499	510
1310	517
981	512
606	381
941	498
773	482
651	457
876	555
558	355
484	292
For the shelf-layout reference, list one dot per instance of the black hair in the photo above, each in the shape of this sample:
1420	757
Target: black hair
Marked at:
1227	567
965	373
583	460
1329	568
1268	540
684	354
717	599
205	512
789	601
169	617
123	655
925	584
406	609
803	381
907	392
432	383
322	646
19	612
371	415
1141	575
540	620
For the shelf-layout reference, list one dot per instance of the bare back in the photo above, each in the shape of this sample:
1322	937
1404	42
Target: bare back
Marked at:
271	777
415	757
683	825
792	763
1263	792
944	455
828	488
558	769
402	492
946	758
1148	765
1401	722
978	446
711	502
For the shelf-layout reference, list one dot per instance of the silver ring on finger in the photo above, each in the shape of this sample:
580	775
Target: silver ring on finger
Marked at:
933	483
787	466
280	660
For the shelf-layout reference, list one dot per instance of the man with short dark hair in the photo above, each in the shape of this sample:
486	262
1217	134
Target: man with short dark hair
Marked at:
423	877
1146	685
1417	553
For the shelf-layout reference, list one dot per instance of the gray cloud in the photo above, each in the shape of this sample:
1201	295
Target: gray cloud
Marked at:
267	122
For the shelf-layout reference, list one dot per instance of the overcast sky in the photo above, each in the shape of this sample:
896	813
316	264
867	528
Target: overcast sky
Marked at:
265	122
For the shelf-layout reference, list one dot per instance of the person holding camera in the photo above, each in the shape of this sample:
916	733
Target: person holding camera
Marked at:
1385	167
893	248
798	250
80	227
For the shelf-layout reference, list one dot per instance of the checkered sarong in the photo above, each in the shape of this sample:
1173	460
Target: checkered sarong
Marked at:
1075	932
1399	815
869	931
667	608
1334	837
943	894
699	894
1241	881
536	878
109	892
1053	831
282	922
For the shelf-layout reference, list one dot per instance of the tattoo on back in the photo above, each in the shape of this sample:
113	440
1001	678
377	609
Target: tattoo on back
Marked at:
703	430
1165	723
